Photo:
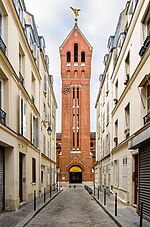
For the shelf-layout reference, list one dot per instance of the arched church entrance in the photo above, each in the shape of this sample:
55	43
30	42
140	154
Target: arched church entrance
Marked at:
75	175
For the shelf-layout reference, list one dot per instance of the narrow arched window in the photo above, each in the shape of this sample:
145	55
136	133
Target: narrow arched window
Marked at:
75	52
83	57
68	57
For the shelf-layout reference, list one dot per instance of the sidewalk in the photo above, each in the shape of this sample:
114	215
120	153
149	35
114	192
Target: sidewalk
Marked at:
126	215
23	215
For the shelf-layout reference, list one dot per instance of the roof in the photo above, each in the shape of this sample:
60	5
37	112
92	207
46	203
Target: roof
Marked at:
75	28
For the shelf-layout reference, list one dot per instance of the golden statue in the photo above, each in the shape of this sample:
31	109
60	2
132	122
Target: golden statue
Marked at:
76	13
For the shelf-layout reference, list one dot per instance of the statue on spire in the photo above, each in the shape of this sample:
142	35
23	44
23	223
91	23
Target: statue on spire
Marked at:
76	13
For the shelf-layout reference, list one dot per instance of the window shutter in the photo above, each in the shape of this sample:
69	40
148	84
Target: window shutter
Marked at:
32	129
24	119
19	112
37	132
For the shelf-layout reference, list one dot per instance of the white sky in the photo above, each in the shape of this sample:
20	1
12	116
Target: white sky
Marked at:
97	21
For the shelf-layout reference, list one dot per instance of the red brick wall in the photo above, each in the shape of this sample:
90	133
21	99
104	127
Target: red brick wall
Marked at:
81	80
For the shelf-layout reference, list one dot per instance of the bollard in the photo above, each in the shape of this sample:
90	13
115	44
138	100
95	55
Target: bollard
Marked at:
50	191
104	196
141	215
44	196
98	193
94	189
34	200
115	204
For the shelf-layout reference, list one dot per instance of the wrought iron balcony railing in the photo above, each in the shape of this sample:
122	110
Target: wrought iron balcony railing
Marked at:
2	46
21	78
2	117
146	118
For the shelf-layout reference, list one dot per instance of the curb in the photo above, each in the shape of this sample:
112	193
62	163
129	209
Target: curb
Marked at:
32	214
109	214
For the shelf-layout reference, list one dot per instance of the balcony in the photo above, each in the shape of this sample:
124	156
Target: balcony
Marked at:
21	78
2	46
145	46
146	118
2	117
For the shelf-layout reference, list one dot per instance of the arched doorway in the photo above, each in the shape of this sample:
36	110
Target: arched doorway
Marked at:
75	175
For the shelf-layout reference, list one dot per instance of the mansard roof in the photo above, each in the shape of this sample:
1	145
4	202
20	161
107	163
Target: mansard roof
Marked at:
69	35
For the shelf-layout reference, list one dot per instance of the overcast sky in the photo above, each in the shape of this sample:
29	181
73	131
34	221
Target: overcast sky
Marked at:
97	21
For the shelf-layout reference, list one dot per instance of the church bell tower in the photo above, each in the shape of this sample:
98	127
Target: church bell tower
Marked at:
75	160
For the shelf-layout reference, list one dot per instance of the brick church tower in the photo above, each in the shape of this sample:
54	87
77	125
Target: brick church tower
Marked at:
75	160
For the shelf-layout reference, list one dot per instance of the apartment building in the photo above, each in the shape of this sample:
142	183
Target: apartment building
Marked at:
27	109
130	131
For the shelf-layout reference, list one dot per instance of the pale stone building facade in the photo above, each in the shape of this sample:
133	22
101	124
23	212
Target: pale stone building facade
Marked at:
27	109
130	130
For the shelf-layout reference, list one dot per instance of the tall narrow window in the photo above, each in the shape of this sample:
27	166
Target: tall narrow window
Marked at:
75	53
33	170
127	121
148	99
0	94
73	139
83	57
127	66
68	57
0	25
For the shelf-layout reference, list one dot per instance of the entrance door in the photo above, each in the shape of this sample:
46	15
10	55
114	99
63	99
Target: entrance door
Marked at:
136	180
20	177
2	188
75	175
76	178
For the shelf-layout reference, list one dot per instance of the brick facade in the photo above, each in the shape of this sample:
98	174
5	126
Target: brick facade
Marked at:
76	54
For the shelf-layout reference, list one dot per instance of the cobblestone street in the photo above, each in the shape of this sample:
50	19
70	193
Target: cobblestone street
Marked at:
73	207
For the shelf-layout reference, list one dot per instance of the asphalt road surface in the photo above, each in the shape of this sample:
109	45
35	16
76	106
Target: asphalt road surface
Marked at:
73	207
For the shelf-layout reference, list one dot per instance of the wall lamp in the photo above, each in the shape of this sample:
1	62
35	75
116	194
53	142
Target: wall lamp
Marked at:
49	130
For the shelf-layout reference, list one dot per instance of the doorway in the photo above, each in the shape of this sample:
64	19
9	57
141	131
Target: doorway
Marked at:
75	175
2	179
21	176
136	179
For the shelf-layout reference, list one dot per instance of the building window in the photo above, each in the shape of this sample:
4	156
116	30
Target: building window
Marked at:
116	173
107	114
1	94
44	144
33	170
0	24
116	90
127	67
83	57
124	174
103	122
75	53
45	83
146	25
34	131
127	120
68	57
22	117
116	133
148	99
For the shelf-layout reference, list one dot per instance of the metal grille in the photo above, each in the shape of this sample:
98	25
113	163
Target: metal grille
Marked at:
144	181
1	179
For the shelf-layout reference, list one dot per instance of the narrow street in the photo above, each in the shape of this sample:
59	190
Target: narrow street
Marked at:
74	207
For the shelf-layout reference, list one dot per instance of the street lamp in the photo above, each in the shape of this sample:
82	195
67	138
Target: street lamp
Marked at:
49	130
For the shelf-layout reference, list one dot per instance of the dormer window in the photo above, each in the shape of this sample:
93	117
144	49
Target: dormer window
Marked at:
68	58
76	53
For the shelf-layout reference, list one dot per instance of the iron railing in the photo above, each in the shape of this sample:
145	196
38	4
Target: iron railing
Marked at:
2	117
146	118
2	46
21	78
